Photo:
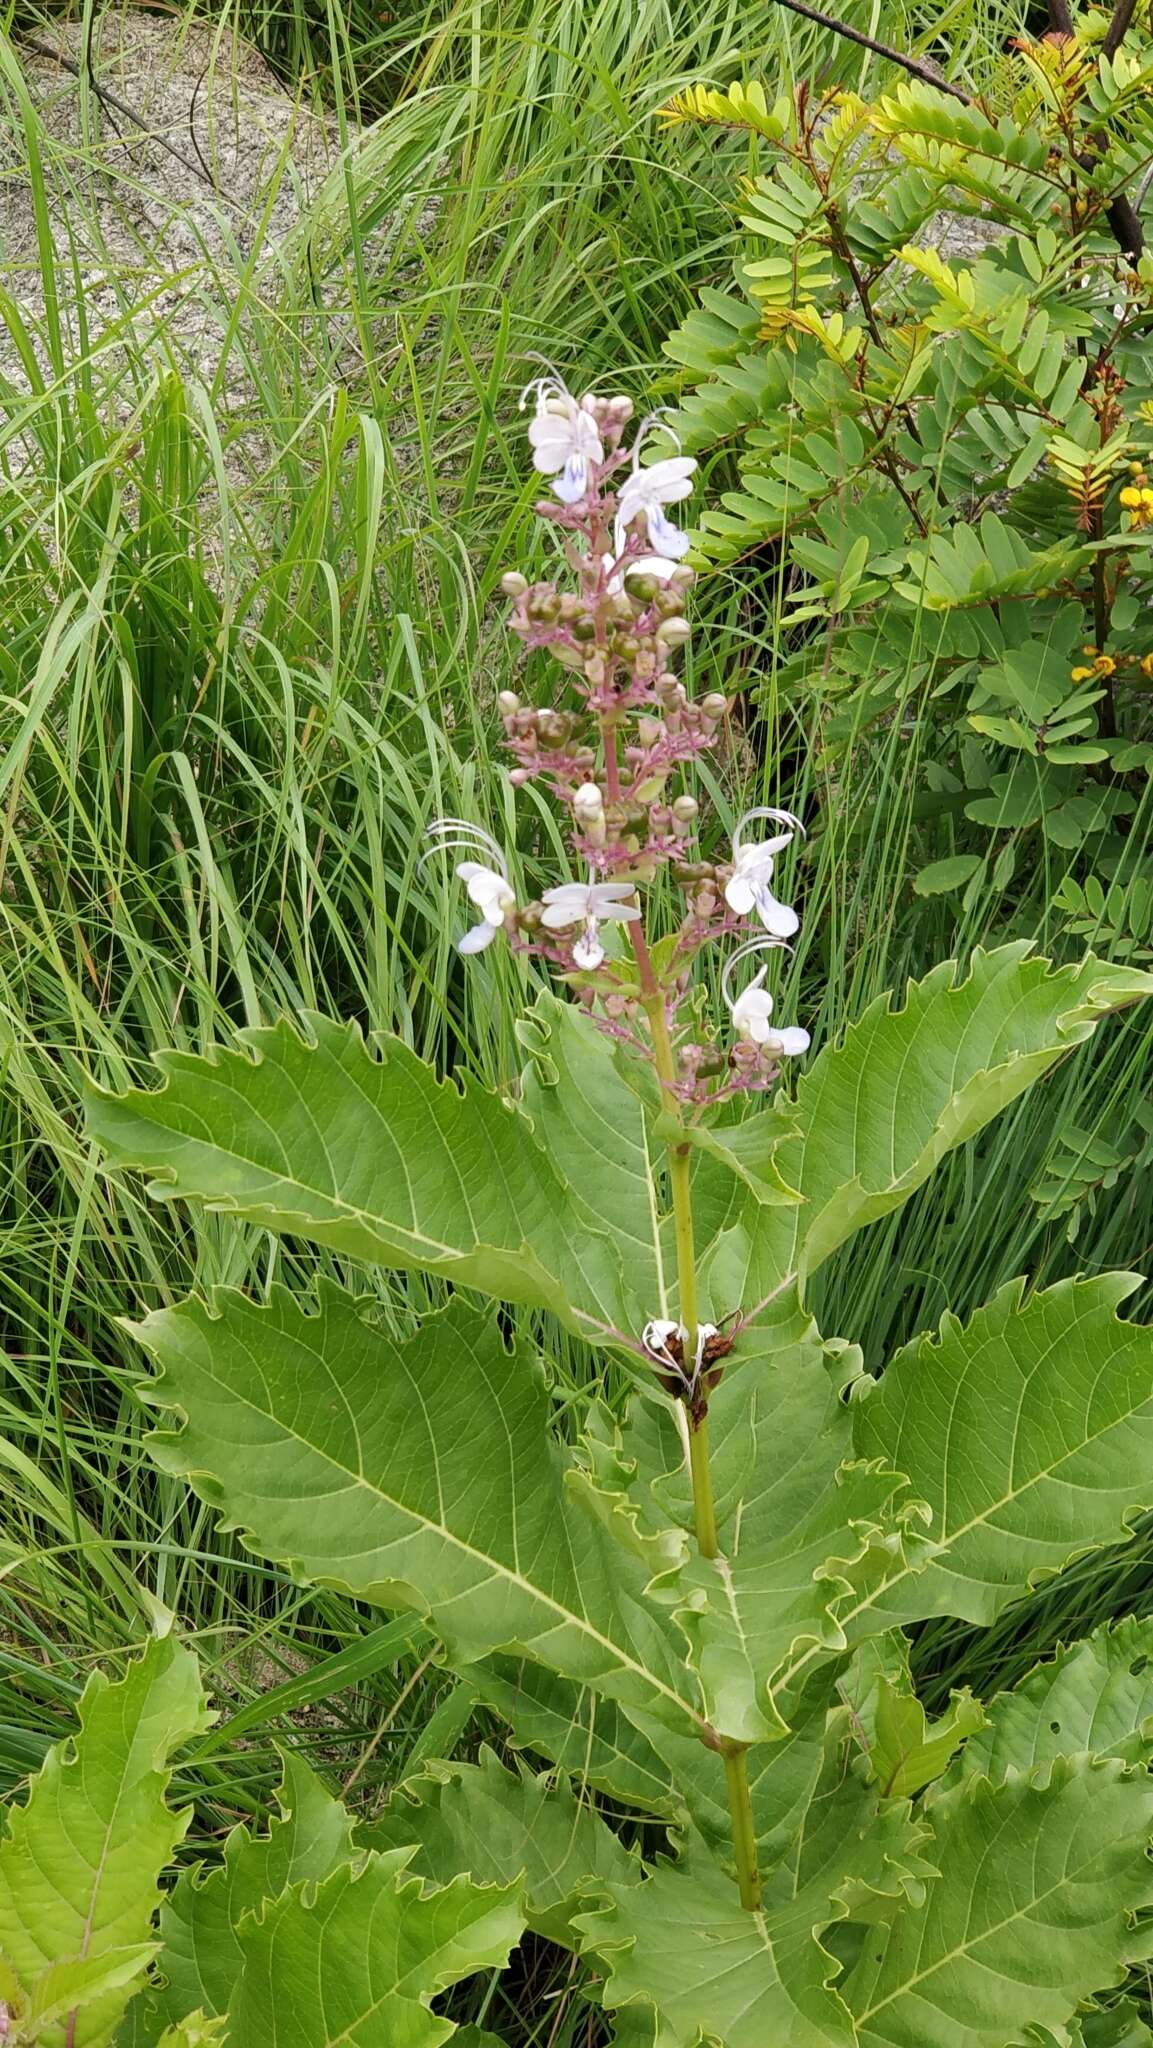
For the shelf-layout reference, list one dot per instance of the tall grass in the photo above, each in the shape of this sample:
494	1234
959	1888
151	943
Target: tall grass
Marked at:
246	654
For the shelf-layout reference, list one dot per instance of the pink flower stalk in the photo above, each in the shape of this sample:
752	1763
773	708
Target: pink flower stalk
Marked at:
610	746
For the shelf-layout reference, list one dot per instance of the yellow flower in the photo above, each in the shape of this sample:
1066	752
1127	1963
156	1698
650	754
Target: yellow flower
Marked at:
1082	675
1130	498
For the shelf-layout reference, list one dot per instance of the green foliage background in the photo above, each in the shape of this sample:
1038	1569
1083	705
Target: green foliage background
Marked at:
229	700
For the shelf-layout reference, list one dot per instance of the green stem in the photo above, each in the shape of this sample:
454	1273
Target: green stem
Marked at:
685	1244
703	1503
744	1833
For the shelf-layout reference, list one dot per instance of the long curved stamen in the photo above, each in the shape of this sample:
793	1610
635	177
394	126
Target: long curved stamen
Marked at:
774	816
460	833
656	1345
553	383
650	420
765	945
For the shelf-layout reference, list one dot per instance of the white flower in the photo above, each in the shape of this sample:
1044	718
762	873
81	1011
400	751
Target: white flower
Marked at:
590	904
655	1339
748	887
564	438
649	491
489	888
753	1008
490	892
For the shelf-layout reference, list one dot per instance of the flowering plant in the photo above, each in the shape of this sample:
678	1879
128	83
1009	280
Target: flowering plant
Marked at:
697	1611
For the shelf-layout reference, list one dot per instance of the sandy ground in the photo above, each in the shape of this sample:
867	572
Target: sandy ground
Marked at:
158	219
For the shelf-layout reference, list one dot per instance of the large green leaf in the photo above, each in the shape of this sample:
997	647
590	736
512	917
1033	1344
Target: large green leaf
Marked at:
1032	1912
587	1736
1027	1430
1096	1696
499	1825
81	1862
877	1113
357	1959
416	1473
683	1945
589	1119
363	1149
807	1527
638	1759
193	2032
200	1920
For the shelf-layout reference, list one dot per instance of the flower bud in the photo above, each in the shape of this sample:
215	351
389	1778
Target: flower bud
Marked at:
714	705
660	819
649	731
507	703
673	632
685	809
587	801
584	629
553	728
641	586
513	583
589	812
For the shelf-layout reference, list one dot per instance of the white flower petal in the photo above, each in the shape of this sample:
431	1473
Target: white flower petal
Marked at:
573	482
663	535
739	895
488	889
550	441
588	951
478	938
776	917
791	1041
751	1013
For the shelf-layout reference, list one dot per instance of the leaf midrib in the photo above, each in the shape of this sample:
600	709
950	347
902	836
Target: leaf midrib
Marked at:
964	1529
469	1550
962	1948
